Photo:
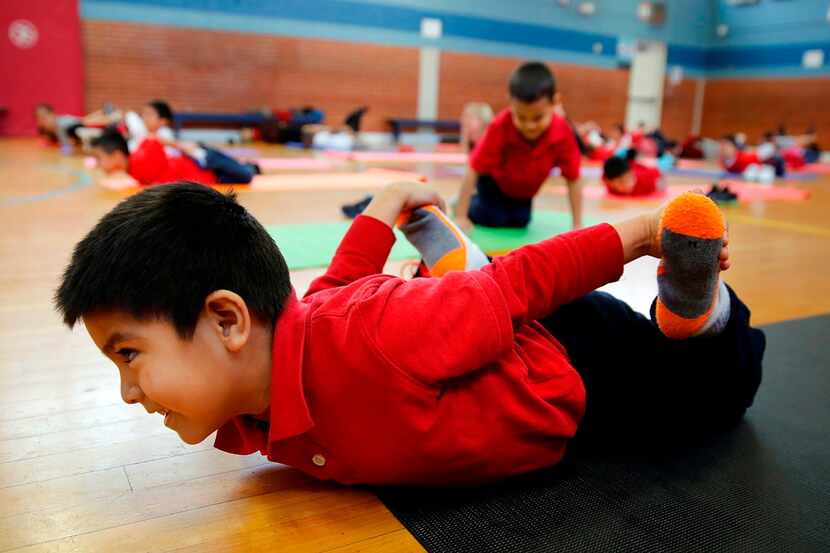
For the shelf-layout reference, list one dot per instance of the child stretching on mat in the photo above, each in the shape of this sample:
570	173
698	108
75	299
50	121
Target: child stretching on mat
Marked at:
624	176
736	160
150	163
475	117
155	121
369	378
515	156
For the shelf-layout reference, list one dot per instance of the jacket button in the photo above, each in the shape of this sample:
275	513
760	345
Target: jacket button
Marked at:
319	460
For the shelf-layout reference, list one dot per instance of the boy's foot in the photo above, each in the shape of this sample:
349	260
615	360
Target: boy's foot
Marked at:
442	245
691	301
353	210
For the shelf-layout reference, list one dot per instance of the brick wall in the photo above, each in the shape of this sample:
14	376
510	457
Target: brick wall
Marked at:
757	105
678	109
202	70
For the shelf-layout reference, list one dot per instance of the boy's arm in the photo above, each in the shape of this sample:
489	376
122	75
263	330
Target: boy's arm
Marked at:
575	199
570	164
435	329
536	279
462	208
364	249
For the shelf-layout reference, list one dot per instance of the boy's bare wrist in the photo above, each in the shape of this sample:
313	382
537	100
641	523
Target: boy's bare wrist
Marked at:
649	235
386	205
636	237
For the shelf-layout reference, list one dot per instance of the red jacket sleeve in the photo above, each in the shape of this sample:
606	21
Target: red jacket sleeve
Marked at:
363	251
434	329
536	279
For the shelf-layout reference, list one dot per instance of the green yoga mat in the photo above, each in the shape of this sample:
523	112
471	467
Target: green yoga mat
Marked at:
313	244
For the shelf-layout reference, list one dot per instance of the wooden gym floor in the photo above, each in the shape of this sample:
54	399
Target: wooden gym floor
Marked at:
81	471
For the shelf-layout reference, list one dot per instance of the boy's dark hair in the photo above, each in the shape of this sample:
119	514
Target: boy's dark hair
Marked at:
532	81
161	252
616	166
730	138
162	109
111	141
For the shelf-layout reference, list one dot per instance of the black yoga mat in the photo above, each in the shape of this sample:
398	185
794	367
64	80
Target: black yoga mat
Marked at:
762	486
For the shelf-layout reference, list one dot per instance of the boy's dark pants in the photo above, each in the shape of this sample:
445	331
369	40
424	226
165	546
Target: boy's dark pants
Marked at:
644	388
227	169
490	207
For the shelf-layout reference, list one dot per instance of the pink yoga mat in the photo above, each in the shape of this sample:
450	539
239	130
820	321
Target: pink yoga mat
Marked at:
373	178
694	164
304	163
747	192
817	168
399	157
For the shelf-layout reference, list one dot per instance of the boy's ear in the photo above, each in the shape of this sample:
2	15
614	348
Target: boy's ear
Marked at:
557	98
229	317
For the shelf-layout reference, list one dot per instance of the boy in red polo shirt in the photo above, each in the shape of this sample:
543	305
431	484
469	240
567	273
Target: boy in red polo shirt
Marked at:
514	158
370	378
149	163
627	177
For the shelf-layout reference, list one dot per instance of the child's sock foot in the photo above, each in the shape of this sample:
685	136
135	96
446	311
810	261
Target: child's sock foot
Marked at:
691	299
443	246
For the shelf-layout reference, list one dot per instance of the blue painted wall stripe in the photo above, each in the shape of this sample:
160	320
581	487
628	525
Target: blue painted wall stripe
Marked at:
391	18
784	55
396	24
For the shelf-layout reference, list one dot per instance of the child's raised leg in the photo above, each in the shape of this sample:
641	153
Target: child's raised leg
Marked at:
696	367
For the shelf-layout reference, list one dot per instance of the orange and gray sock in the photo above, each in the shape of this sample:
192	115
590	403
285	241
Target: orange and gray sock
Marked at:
691	299
443	246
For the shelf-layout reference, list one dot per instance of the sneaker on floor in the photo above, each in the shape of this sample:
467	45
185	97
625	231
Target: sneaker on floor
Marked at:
721	195
353	210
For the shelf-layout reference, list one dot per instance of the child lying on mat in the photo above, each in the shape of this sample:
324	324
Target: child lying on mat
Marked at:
746	163
624	176
474	376
514	158
150	163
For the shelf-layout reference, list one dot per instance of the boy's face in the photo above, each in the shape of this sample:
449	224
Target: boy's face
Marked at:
151	119
727	149
623	184
189	382
531	119
114	162
45	119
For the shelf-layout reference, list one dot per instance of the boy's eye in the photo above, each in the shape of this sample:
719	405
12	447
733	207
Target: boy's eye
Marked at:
127	354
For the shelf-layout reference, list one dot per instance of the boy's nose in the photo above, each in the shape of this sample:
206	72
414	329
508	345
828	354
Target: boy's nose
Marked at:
130	393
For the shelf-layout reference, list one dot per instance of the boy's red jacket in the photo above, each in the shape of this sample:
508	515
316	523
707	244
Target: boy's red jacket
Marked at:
150	164
432	380
741	162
